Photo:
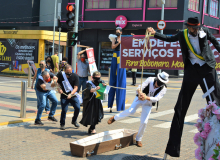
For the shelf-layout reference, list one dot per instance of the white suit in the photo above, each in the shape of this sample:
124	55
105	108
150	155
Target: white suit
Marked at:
146	106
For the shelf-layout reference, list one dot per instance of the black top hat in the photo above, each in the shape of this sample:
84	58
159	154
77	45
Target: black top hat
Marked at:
193	22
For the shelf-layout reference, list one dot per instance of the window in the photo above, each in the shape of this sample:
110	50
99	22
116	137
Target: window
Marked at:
95	4
206	7
193	5
158	3
129	4
213	11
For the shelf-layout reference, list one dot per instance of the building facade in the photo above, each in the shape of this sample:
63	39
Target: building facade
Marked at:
98	19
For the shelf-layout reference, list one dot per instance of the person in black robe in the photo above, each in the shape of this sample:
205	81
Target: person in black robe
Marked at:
92	107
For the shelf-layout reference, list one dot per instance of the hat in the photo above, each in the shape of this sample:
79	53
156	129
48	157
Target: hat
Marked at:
163	77
193	22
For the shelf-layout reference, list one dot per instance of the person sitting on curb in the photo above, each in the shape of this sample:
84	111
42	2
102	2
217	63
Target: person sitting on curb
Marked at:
153	90
43	93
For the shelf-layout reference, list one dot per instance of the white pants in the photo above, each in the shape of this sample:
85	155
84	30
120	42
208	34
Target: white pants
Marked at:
144	115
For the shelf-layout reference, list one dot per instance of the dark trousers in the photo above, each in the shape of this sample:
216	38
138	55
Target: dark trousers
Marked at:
134	77
64	104
193	76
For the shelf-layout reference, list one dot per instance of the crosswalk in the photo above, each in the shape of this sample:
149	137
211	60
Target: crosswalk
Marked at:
133	119
130	120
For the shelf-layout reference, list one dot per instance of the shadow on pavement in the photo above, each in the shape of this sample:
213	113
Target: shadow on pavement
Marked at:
115	157
70	132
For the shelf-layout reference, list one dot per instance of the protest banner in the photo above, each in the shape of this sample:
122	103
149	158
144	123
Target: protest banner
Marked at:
163	55
91	59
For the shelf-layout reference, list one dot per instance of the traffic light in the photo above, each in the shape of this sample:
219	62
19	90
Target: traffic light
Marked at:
70	15
72	35
71	38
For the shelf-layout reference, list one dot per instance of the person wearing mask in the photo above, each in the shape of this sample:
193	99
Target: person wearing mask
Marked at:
63	63
117	76
153	89
68	82
37	74
82	70
92	107
44	93
55	61
49	64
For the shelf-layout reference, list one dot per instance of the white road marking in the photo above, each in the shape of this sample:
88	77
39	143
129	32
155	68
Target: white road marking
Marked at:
104	109
153	115
11	81
194	131
187	119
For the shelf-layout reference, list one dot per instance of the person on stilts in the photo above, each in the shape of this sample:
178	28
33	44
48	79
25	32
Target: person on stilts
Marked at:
199	63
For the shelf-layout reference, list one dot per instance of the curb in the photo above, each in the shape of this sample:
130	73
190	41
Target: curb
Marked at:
32	119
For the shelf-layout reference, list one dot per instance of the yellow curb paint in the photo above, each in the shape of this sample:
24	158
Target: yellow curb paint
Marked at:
32	119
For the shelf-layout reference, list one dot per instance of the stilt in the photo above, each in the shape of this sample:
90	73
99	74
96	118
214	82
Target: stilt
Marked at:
110	110
165	156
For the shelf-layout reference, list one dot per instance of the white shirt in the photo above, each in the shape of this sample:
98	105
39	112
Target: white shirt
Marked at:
195	43
152	90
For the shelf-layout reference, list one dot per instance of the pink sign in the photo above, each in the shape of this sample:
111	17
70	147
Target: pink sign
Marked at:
121	21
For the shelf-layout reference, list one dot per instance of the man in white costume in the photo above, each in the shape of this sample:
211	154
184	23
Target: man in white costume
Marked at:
153	89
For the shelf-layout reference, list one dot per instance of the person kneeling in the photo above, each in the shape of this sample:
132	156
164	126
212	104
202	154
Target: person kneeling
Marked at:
69	82
92	107
43	93
153	89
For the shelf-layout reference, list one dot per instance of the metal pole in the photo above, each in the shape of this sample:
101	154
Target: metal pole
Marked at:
165	156
59	41
29	76
162	18
54	23
109	70
23	99
74	49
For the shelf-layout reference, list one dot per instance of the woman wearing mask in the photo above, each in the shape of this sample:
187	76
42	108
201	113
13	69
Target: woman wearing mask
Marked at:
92	107
49	64
39	71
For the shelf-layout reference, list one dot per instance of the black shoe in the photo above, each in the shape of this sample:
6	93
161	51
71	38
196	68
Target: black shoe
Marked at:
52	119
62	127
75	124
110	110
38	122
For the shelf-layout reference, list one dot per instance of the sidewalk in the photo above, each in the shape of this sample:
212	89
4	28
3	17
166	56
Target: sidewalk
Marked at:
10	100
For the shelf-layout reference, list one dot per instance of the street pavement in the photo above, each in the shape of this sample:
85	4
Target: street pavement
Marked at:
28	141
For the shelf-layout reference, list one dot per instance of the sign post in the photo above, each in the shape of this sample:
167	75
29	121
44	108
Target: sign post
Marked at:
161	25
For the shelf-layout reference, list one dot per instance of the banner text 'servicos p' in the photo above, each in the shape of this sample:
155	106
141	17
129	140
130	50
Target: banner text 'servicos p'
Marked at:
163	55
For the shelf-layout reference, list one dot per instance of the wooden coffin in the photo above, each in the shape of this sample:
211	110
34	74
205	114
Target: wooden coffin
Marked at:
103	142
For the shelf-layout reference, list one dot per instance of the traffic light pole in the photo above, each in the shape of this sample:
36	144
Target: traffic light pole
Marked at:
74	49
